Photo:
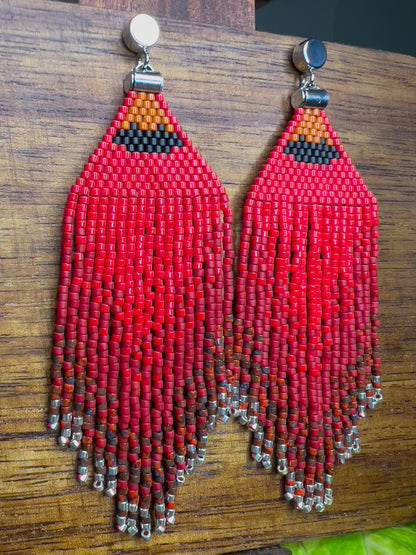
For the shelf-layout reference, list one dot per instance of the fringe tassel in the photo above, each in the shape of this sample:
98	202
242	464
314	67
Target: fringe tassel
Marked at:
143	362
306	311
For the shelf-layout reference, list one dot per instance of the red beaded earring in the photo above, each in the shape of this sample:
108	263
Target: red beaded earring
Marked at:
306	310
142	346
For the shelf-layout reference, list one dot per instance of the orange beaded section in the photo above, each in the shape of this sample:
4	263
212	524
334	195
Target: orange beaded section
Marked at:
147	113
312	127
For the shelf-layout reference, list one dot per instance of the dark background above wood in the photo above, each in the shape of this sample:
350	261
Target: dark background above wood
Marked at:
61	69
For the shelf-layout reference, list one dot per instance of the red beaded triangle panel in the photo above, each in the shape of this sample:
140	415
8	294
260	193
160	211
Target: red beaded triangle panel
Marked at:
143	341
307	308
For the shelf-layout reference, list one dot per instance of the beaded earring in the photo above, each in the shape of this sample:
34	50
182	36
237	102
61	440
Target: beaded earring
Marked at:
142	346
306	310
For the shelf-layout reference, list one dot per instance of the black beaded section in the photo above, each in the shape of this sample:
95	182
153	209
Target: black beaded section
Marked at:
136	140
311	153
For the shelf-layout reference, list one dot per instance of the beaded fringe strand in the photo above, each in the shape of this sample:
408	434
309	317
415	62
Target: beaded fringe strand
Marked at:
143	341
306	310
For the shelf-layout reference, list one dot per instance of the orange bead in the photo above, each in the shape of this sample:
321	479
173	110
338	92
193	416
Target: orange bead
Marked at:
125	125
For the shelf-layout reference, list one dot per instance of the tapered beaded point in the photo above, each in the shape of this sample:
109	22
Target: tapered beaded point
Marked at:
143	341
306	310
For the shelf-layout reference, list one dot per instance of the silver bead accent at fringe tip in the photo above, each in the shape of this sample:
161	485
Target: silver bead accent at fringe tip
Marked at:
82	473
190	467
170	516
132	526
98	482
268	444
282	466
320	507
310	488
121	523
179	459
83	455
200	457
361	411
298	500
122	506
328	478
378	396
111	488
253	423
266	461
145	531
243	417
67	417
63	440
180	477
376	379
55	404
318	486
328	497
160	525
53	421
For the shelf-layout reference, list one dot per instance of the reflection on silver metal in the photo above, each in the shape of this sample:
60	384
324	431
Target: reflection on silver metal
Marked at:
140	32
311	97
310	53
307	56
143	80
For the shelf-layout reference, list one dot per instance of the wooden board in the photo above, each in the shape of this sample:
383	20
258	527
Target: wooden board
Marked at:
60	79
237	14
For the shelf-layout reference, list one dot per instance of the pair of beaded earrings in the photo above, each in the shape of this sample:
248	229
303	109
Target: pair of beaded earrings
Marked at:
152	345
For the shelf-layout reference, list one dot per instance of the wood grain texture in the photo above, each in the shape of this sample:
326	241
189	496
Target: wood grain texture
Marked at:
60	79
237	14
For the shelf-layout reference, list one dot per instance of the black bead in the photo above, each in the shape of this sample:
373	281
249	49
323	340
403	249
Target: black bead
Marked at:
130	133
117	140
126	140
286	150
302	138
166	149
160	127
133	126
298	158
319	160
121	132
179	143
337	155
291	144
